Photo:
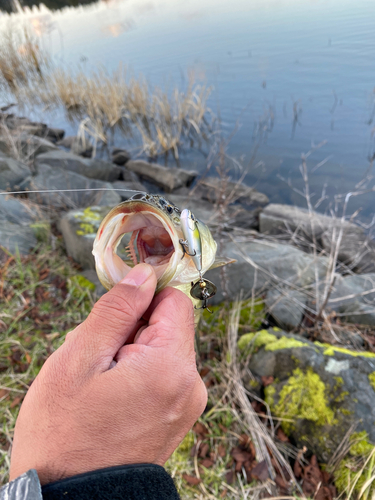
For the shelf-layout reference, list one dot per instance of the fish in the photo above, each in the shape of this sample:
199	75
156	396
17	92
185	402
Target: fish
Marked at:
179	247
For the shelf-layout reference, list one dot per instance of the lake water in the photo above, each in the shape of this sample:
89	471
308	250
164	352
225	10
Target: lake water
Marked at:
286	74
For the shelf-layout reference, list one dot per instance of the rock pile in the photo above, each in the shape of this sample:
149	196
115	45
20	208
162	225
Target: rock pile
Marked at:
284	255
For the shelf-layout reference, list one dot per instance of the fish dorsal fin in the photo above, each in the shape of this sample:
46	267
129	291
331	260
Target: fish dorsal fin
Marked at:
222	261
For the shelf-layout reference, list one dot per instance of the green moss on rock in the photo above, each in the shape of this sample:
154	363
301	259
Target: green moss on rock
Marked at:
269	340
304	397
89	221
371	378
330	350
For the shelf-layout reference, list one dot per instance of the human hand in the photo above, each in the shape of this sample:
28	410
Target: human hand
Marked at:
84	412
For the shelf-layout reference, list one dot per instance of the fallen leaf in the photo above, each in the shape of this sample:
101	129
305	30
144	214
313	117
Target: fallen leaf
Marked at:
203	450
3	393
16	401
28	357
282	436
221	451
229	477
200	429
204	371
207	463
223	494
191	479
240	455
260	471
324	493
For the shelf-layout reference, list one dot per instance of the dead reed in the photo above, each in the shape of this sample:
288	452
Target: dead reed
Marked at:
104	103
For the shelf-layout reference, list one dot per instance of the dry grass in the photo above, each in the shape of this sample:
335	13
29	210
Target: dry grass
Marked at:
103	104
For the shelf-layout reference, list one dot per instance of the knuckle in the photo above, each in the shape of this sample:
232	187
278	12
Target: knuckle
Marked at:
115	305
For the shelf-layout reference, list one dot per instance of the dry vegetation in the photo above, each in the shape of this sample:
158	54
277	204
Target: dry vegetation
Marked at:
103	104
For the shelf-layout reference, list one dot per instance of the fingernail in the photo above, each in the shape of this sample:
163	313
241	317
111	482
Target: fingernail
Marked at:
138	275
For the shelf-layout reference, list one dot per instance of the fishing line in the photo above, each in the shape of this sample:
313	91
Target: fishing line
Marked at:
71	190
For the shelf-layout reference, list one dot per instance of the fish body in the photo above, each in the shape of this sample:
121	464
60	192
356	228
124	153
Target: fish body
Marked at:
156	226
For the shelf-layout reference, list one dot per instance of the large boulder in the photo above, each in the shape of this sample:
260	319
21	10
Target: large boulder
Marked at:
90	168
12	172
16	211
215	190
356	250
317	390
60	182
167	178
286	306
77	146
277	219
262	264
79	228
353	298
16	238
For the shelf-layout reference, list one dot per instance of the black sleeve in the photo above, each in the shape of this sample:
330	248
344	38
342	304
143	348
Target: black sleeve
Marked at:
124	482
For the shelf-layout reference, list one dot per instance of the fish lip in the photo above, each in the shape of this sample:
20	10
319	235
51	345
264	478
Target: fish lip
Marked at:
127	208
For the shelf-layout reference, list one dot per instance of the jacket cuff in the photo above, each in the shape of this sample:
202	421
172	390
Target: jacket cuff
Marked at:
124	482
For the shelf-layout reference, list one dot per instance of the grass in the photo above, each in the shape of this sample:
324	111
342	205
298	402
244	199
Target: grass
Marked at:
104	104
41	300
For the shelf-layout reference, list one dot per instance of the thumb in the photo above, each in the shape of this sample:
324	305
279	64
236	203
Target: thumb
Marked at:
114	317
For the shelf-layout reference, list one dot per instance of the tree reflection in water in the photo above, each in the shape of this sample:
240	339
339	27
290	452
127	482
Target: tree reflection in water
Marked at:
8	5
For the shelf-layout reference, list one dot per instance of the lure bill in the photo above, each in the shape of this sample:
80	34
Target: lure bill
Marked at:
178	246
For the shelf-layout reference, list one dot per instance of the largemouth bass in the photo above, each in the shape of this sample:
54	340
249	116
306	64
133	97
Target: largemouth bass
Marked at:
179	247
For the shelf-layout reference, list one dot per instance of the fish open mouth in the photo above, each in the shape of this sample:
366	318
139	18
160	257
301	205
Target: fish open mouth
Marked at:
152	241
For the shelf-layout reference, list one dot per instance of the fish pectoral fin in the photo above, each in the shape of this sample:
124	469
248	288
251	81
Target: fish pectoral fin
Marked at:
222	261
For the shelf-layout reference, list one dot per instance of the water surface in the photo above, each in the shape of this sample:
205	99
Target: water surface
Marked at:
287	74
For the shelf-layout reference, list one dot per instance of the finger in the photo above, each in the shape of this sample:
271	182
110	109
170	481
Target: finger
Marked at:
171	322
114	319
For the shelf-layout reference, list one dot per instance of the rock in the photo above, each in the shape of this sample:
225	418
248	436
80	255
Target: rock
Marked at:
277	219
16	211
128	176
133	186
120	156
319	391
75	146
167	178
67	142
79	228
92	169
12	172
15	238
211	188
24	145
31	145
59	179
80	149
261	264
353	298
54	134
286	306
356	251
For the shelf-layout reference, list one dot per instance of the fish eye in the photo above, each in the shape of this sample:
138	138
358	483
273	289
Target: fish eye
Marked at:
137	196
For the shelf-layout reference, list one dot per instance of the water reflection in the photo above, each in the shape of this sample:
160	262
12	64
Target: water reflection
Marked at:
13	6
295	72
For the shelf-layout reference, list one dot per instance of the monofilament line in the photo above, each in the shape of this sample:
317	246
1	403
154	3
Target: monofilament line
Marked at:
71	190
